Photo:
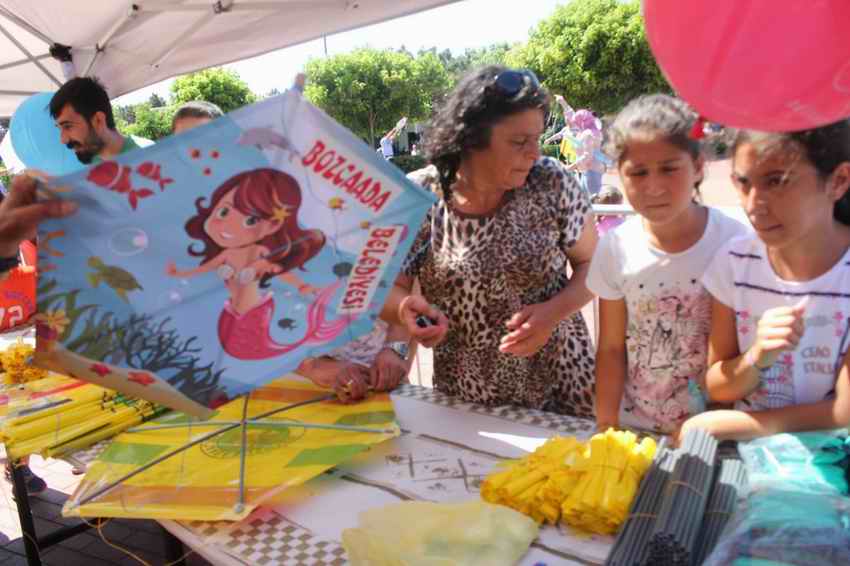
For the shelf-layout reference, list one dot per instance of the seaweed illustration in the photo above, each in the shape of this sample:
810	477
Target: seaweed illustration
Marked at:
142	342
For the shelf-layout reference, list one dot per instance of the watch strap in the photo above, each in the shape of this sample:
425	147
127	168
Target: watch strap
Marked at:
399	347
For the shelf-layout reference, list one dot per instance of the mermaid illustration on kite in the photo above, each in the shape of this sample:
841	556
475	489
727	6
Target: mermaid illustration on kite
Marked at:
251	235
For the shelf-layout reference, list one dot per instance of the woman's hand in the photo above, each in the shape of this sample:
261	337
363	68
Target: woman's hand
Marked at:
387	371
779	329
413	306
352	383
529	330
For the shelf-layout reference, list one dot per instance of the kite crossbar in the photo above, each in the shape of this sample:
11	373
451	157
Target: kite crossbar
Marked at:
195	442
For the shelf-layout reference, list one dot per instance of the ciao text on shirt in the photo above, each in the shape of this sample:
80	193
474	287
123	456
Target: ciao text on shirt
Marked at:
370	267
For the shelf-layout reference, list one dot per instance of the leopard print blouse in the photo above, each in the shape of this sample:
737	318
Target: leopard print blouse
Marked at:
480	270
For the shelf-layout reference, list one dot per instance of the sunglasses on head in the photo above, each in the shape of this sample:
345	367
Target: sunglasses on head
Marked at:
511	83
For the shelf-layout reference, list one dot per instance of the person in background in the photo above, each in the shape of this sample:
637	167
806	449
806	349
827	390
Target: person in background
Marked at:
780	330
606	222
654	313
494	253
83	114
193	114
386	147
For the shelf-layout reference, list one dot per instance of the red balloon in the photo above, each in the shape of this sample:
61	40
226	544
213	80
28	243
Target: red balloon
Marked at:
756	64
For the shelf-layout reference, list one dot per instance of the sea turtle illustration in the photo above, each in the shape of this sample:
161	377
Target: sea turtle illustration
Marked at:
120	280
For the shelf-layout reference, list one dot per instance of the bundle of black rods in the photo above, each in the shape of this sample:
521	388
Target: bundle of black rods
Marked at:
684	502
731	477
630	546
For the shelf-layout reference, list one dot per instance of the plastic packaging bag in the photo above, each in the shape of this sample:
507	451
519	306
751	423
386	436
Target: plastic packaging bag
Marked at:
780	527
808	462
417	533
796	511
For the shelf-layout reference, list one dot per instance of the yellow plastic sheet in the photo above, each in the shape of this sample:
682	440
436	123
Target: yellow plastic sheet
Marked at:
418	533
202	482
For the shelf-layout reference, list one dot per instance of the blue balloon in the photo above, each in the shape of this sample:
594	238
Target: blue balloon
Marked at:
35	138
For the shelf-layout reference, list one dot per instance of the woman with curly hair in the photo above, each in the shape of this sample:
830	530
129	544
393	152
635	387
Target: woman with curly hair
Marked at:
493	254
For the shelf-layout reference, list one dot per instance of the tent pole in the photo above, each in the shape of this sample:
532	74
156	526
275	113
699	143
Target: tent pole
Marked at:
220	7
100	46
29	55
25	25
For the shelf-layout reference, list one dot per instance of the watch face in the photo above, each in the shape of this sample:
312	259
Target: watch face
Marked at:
400	348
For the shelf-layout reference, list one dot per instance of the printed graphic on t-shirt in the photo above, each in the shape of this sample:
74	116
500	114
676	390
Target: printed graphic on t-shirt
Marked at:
668	339
815	362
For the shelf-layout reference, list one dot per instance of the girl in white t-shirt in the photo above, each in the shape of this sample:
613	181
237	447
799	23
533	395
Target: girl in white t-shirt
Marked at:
781	309
654	314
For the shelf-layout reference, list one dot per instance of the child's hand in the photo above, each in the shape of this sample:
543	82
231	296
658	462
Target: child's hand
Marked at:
171	269
779	329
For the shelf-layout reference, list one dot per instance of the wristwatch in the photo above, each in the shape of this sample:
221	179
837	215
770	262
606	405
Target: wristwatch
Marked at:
401	348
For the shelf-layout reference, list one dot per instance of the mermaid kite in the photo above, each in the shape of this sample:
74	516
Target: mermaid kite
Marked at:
250	235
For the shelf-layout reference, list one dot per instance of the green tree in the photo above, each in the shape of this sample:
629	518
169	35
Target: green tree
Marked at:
150	123
471	58
219	86
594	52
368	90
156	101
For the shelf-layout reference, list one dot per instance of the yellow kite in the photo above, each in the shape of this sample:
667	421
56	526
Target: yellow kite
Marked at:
180	468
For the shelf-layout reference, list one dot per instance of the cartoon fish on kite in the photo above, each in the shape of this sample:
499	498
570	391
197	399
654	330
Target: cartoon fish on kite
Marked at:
117	178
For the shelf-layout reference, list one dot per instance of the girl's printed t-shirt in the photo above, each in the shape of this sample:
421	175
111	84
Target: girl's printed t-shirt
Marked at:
668	318
742	278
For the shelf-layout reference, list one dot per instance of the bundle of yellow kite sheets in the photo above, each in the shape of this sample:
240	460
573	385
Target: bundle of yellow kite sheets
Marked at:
588	485
203	481
24	398
68	415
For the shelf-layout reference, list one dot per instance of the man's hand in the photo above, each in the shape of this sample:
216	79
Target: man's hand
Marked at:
21	213
387	371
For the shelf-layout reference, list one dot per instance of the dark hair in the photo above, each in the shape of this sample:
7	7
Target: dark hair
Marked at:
608	195
654	116
86	96
825	148
262	193
465	120
196	109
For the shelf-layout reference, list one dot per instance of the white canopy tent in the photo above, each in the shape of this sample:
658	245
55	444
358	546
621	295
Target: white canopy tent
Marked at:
129	45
